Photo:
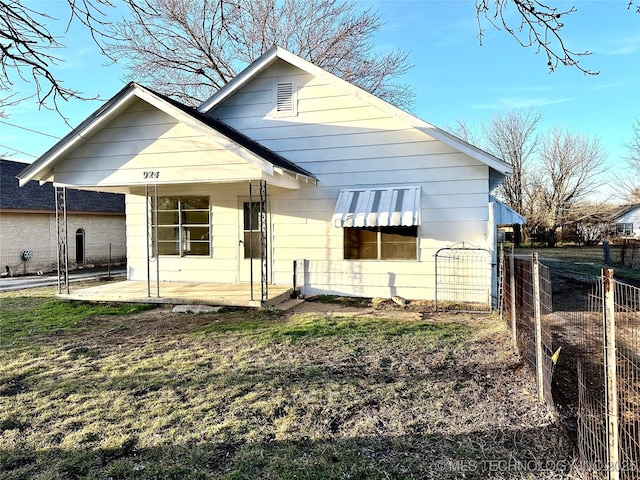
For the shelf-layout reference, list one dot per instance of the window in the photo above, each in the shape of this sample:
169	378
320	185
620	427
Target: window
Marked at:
381	243
80	245
251	226
624	228
183	226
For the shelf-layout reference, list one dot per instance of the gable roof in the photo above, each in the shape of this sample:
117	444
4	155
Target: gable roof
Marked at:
33	197
238	137
624	210
41	168
501	167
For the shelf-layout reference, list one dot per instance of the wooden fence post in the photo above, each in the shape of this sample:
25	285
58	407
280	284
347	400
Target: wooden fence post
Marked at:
613	439
512	289
538	326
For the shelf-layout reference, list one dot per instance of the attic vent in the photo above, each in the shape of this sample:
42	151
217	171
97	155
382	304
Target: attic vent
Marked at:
284	98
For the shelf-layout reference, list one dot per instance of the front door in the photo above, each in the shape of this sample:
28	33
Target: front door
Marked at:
254	236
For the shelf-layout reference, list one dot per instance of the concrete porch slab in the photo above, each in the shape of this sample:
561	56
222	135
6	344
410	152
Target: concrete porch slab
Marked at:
179	293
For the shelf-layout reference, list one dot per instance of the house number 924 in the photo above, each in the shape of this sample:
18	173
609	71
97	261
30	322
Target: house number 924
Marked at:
151	174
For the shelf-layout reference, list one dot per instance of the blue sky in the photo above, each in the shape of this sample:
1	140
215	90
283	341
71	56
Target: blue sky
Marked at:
453	76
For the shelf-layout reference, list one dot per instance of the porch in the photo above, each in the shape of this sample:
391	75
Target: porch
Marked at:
179	293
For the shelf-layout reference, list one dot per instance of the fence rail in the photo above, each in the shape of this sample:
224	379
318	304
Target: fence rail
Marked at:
580	335
626	253
463	278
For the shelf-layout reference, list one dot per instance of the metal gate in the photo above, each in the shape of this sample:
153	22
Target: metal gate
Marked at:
463	278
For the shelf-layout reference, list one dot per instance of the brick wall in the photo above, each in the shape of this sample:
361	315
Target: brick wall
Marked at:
37	232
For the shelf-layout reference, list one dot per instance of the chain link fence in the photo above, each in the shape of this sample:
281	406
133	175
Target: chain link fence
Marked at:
98	262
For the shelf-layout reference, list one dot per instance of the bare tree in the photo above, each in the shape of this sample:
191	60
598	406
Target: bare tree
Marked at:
190	48
27	49
465	131
512	137
569	171
534	206
332	34
537	25
630	182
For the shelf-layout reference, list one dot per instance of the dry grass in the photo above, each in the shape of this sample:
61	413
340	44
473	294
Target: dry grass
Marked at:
586	260
240	394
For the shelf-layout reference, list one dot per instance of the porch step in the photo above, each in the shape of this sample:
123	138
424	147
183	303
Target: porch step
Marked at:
289	304
273	301
196	309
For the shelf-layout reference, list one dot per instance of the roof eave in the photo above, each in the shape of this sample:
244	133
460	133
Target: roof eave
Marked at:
77	135
500	166
240	80
41	167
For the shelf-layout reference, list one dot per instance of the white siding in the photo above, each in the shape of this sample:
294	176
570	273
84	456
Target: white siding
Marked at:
142	140
220	267
632	217
346	142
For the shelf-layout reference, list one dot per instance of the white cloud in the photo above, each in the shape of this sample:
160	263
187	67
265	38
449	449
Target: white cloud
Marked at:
611	45
628	45
517	103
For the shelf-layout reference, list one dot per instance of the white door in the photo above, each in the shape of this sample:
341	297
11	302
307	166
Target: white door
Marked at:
250	241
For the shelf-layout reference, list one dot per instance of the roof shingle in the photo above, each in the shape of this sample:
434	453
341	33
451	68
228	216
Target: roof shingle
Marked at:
35	197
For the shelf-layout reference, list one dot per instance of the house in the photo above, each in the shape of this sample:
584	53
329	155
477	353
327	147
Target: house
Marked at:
626	221
285	175
28	239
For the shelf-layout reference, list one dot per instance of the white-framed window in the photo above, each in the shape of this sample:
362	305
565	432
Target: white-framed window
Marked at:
183	226
381	243
252	238
624	228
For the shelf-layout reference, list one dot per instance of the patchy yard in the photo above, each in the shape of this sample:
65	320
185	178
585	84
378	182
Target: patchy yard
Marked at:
586	260
325	392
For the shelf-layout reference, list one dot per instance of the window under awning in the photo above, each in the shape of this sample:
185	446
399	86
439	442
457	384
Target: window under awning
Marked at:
377	207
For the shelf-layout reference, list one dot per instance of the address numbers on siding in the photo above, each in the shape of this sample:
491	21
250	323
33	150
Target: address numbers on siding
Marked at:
151	174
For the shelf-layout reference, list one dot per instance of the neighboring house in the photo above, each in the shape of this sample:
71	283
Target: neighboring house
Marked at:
627	221
28	233
360	194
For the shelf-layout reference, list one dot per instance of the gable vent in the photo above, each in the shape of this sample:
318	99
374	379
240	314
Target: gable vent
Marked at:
284	98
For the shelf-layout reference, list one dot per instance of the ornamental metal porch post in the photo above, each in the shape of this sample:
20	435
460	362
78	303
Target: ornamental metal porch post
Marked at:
261	193
151	210
264	270
63	254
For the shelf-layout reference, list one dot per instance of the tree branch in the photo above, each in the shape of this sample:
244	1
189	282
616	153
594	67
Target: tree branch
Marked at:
540	27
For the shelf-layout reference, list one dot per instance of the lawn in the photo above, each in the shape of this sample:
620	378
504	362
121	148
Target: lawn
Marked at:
101	392
586	260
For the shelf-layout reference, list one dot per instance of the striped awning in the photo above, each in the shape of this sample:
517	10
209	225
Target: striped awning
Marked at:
377	207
